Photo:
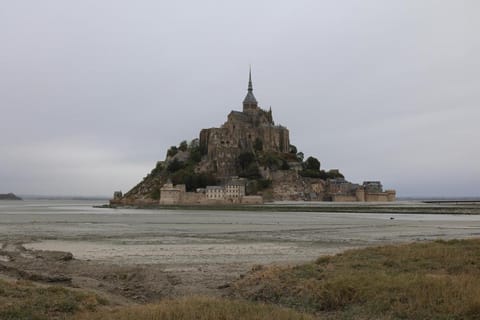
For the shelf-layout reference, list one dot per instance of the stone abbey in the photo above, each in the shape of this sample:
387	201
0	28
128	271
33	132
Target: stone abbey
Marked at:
247	160
252	128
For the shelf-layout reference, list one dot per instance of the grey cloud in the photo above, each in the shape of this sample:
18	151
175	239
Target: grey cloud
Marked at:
94	92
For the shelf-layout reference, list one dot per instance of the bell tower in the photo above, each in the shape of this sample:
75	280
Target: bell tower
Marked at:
250	103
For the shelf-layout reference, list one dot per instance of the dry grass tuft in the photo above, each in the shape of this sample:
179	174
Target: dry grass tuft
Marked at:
438	280
198	308
24	300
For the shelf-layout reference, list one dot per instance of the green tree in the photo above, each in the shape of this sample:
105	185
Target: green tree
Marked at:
195	155
251	172
264	184
155	194
183	146
175	165
334	174
312	164
195	143
300	156
157	170
172	151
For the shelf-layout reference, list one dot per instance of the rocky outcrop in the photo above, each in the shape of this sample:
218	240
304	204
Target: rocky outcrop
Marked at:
248	145
9	196
289	185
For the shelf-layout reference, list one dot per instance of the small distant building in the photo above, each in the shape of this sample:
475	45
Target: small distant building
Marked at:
235	188
117	195
215	193
233	191
340	190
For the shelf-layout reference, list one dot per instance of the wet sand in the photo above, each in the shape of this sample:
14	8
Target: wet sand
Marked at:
191	252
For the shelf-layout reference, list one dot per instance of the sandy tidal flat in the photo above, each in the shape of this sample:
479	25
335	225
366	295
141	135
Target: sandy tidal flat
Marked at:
147	254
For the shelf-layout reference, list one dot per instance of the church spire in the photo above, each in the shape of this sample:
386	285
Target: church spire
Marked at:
250	86
250	102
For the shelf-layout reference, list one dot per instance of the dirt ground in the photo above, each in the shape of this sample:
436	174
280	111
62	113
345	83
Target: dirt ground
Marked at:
120	283
125	282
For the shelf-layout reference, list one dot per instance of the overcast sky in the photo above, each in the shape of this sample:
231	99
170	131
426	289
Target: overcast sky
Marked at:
92	93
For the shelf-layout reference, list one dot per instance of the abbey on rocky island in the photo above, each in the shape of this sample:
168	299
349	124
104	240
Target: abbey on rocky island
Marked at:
248	160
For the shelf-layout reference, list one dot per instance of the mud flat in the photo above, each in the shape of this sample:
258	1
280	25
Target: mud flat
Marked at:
145	255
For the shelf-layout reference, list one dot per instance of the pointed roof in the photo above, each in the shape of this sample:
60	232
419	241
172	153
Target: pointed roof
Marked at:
250	98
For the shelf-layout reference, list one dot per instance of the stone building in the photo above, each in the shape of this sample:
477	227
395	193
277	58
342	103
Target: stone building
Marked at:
170	194
215	193
244	131
232	192
340	190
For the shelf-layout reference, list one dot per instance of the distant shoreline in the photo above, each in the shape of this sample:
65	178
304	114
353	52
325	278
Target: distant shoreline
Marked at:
407	207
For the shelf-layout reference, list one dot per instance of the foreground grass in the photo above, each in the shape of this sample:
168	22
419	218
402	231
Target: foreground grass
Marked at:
198	308
24	300
439	280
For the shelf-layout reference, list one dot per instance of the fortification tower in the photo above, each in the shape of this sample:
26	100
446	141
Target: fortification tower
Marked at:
250	103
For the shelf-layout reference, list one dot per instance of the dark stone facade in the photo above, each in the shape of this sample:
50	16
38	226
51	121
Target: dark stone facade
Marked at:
243	132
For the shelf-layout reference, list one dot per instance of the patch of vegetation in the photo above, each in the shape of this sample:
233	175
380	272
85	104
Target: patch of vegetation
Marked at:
264	184
155	194
311	168
193	180
175	165
312	164
23	300
183	146
300	156
332	174
245	160
258	145
247	166
195	155
275	160
157	170
199	308
253	187
293	149
438	280
172	151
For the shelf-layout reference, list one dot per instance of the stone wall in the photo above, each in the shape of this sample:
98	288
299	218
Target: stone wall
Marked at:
343	198
386	196
170	196
194	198
252	200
